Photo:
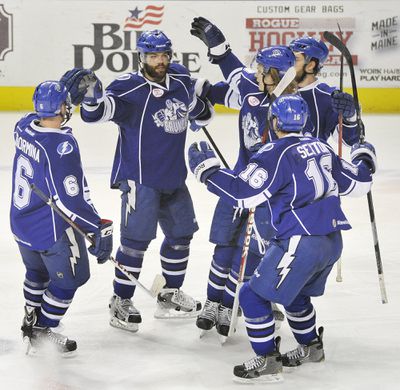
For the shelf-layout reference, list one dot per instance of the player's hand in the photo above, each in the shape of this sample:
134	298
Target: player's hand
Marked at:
212	36
74	81
343	103
103	242
202	161
205	117
364	152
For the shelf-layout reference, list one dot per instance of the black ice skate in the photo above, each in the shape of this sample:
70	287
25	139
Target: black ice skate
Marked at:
223	322
310	353
28	322
261	369
208	317
174	303
123	314
45	339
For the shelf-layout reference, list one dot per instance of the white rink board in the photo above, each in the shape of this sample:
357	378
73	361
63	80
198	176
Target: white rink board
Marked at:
51	36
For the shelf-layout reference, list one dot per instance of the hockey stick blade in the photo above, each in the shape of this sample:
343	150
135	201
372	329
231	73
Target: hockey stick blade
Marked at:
287	78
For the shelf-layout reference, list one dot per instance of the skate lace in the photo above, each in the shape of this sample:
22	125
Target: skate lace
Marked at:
55	338
224	315
299	353
184	300
254	363
210	310
125	306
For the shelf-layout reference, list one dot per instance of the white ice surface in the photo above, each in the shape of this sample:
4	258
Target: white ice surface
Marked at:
361	334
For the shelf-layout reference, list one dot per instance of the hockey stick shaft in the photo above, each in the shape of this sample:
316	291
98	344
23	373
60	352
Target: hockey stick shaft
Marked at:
215	147
287	78
339	277
156	287
332	39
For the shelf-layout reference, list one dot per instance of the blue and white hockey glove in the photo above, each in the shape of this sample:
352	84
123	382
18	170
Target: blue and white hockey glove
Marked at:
205	117
202	161
74	81
343	102
103	242
94	93
364	152
212	36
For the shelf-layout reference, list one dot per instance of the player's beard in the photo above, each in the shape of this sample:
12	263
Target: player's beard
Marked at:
157	73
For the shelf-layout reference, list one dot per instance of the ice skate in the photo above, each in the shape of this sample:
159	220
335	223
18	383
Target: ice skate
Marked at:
174	303
311	353
123	314
208	317
261	369
44	338
223	322
27	326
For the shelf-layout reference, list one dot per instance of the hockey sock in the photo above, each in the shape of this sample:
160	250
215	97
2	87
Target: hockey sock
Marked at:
301	318
130	255
219	271
34	287
55	303
260	323
230	287
174	254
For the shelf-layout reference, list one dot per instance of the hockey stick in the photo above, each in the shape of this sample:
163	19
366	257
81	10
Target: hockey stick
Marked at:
215	147
159	280
332	39
287	78
339	277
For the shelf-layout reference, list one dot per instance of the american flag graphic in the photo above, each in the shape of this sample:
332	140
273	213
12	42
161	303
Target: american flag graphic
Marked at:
150	15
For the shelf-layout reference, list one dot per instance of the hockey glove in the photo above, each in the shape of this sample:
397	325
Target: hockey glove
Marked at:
202	161
343	102
201	88
205	117
364	152
212	36
103	242
74	81
94	94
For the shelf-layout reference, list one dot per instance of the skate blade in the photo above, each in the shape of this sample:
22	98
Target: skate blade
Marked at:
28	345
271	378
172	314
222	339
132	327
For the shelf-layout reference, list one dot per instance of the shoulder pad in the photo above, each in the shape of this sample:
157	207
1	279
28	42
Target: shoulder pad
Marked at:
178	69
125	82
326	88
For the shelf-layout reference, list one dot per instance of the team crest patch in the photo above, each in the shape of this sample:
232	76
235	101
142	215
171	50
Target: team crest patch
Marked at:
174	117
253	101
64	148
157	92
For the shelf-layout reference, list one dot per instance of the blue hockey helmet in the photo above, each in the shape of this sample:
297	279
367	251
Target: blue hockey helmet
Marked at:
48	98
278	57
311	48
291	112
154	41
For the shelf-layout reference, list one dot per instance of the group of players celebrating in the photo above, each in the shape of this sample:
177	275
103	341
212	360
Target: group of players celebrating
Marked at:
286	173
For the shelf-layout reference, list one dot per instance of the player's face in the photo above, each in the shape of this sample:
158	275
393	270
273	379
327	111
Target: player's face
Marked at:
156	65
299	64
264	79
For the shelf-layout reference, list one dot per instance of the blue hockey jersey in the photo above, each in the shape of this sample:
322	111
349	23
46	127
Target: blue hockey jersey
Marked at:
152	120
301	179
50	159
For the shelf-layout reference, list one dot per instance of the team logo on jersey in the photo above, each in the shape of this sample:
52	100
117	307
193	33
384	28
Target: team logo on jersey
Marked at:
174	117
64	148
253	101
266	147
251	135
157	92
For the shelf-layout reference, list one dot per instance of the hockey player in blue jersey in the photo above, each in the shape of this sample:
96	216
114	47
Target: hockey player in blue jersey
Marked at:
254	102
152	109
54	255
302	179
324	102
227	231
